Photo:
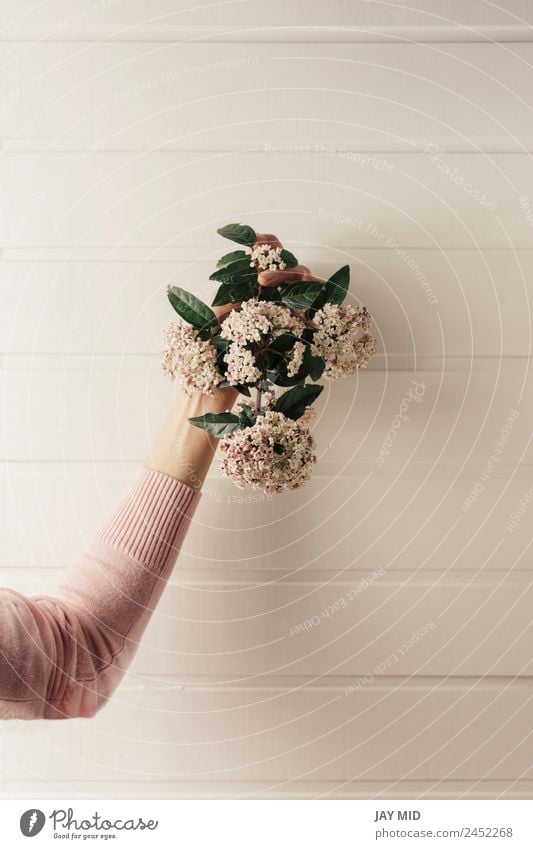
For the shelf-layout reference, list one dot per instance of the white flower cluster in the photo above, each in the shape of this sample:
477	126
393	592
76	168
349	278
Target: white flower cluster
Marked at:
189	359
241	365
296	359
274	454
267	258
341	338
255	321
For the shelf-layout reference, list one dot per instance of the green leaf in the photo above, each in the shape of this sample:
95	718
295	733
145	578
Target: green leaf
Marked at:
217	424
231	257
269	293
336	288
242	388
192	310
240	233
220	343
316	365
239	271
280	378
293	403
246	416
283	342
234	293
278	448
288	258
301	295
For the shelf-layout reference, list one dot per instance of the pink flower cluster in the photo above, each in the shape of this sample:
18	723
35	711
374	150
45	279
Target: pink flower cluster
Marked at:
342	339
274	454
189	359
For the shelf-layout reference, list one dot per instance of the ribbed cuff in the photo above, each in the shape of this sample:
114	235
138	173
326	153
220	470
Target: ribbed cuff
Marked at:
151	522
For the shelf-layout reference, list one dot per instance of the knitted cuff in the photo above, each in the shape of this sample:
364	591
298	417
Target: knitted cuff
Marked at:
152	520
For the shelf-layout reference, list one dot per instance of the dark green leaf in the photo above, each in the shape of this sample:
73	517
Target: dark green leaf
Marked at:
288	258
240	387
231	257
337	286
240	233
192	310
278	448
217	424
300	295
234	293
282	379
220	343
270	293
318	303
246	408
316	366
278	376
246	416
283	342
293	403
239	271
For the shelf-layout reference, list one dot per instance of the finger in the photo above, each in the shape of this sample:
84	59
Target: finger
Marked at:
289	275
223	311
267	239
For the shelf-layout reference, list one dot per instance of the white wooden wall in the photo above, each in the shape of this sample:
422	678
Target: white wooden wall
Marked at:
129	132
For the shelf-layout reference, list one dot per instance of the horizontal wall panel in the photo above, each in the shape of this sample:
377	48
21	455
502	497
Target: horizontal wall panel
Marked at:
357	20
438	789
424	302
98	199
412	627
445	524
475	731
363	97
75	412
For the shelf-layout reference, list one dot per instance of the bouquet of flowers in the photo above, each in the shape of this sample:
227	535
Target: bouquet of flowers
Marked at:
289	335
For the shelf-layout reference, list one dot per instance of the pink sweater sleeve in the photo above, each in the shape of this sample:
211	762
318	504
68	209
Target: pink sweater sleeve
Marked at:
63	656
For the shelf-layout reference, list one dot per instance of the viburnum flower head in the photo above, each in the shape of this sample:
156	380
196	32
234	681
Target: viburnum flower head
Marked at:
256	319
267	258
189	359
241	367
342	339
274	454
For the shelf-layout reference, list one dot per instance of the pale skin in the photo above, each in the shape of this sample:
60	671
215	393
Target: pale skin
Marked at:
183	451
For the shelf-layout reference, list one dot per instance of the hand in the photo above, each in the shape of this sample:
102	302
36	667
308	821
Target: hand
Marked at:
276	278
184	451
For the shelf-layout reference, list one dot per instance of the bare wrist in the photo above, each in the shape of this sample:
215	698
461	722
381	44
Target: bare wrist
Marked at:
181	450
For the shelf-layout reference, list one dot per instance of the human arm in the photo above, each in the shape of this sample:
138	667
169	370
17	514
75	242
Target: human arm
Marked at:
62	656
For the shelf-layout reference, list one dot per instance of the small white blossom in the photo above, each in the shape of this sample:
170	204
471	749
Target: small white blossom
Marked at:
189	359
241	365
267	258
342	339
250	456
